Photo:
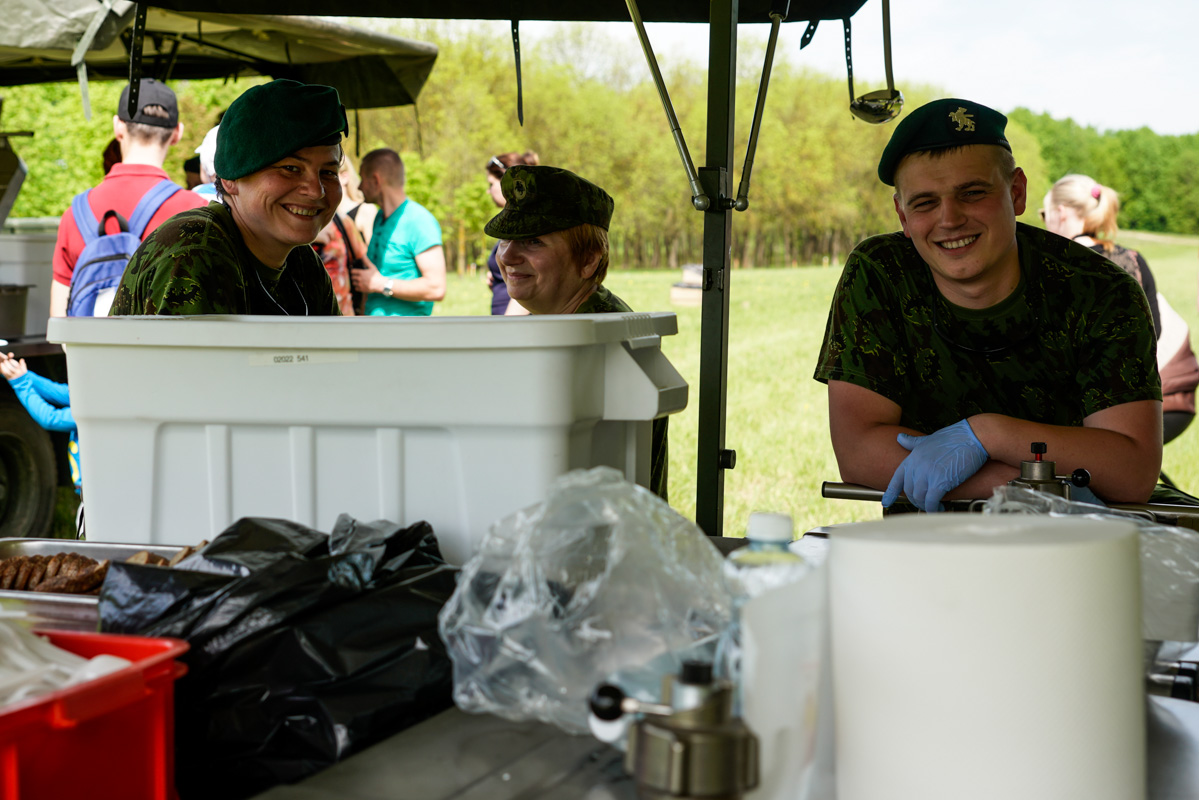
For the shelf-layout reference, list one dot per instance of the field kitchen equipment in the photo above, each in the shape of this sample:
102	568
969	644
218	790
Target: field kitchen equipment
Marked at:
74	612
1038	475
688	746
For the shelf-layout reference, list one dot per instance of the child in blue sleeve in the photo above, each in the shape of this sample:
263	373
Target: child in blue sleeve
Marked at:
47	402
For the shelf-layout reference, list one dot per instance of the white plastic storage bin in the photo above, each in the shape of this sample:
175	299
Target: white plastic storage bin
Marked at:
27	259
187	424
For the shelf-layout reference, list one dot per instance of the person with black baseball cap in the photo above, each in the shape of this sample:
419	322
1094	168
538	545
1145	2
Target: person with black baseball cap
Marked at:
954	344
144	139
553	255
278	151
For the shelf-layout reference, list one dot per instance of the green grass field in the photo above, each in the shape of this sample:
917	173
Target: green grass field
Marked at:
777	415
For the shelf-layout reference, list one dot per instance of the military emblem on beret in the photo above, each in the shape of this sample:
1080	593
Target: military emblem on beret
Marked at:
542	200
964	121
948	122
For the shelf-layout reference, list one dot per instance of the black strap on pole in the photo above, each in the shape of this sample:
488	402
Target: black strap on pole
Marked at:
135	59
808	33
849	57
520	95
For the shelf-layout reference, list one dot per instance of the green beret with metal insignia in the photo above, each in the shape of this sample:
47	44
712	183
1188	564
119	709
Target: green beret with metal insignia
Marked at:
274	120
938	125
542	200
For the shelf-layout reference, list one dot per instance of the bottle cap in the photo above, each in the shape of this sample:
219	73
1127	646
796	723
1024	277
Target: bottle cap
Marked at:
767	527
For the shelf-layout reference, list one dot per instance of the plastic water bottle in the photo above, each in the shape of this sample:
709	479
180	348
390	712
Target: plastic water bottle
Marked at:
775	652
764	564
767	561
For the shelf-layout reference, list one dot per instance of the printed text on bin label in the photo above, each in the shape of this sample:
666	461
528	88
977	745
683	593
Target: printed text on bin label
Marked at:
298	358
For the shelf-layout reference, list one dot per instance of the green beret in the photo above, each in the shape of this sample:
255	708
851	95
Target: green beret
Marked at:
944	123
274	120
542	200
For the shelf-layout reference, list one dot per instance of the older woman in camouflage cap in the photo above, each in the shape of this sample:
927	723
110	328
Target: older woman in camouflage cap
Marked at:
553	254
553	233
277	156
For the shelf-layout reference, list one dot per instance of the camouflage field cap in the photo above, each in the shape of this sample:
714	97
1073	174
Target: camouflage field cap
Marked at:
274	120
948	122
542	200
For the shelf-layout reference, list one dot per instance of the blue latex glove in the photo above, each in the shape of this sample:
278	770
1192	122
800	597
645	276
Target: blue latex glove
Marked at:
1083	494
938	463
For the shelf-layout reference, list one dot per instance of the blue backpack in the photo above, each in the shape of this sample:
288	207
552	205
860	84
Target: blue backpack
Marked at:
100	266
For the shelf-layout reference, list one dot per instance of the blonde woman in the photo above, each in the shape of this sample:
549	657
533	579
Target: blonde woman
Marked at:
1081	209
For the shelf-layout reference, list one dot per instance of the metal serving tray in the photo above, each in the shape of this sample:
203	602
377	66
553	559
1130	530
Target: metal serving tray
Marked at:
64	611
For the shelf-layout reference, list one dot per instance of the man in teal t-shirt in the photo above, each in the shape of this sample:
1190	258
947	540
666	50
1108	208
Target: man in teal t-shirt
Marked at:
405	264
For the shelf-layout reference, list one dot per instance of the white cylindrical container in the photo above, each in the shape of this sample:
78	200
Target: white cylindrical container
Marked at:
987	657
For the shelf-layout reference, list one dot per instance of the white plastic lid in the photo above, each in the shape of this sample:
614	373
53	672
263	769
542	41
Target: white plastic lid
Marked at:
768	527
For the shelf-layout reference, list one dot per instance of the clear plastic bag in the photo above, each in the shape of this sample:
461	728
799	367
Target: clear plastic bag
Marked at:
599	580
1169	560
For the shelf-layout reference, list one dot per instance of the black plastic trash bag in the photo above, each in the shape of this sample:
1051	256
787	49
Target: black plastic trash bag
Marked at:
305	647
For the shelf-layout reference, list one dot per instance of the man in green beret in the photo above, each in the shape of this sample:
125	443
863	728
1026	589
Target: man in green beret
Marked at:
277	156
953	345
553	255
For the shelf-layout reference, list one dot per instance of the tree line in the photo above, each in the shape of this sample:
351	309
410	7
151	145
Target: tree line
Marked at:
814	191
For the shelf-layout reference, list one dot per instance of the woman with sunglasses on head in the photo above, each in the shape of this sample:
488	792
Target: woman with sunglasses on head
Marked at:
1085	211
501	303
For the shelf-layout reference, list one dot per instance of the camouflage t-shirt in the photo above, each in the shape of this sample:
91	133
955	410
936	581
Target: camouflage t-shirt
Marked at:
603	301
197	263
1074	338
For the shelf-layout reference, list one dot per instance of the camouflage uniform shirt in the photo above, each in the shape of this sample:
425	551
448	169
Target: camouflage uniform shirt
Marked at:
197	263
602	301
1074	338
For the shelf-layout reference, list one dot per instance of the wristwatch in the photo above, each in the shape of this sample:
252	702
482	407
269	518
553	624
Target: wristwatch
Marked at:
387	288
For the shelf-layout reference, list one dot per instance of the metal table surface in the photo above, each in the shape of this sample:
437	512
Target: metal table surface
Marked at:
482	757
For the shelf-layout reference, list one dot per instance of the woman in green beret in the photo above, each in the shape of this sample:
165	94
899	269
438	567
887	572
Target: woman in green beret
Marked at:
277	157
553	255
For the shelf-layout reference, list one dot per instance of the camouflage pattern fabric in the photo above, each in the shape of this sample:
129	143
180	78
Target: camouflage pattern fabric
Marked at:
1074	338
197	263
602	301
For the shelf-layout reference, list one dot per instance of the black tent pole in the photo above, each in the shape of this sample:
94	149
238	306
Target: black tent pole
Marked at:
712	457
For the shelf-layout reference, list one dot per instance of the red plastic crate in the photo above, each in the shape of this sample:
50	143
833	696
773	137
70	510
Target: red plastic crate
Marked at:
113	737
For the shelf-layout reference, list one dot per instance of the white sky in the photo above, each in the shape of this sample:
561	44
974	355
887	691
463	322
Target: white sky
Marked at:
1112	64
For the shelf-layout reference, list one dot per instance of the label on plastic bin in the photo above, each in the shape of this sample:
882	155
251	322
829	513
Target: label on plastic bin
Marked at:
292	358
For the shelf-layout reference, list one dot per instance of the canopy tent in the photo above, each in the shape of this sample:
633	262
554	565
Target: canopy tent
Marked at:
594	11
40	42
713	182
